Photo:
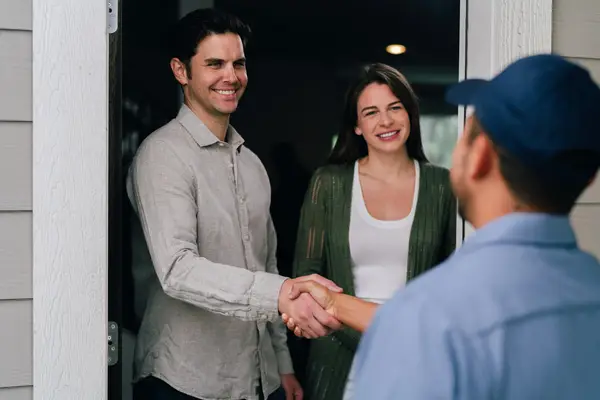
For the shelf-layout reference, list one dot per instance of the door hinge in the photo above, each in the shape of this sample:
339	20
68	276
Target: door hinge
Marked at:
113	343
112	12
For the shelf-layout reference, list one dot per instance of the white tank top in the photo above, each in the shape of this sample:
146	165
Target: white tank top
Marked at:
379	252
379	249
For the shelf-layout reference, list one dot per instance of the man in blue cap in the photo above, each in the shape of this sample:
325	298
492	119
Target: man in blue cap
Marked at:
515	312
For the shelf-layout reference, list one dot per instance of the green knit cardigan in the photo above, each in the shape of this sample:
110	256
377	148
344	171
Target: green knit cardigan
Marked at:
322	248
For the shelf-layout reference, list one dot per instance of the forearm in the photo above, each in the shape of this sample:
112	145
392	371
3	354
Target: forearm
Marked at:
220	288
354	312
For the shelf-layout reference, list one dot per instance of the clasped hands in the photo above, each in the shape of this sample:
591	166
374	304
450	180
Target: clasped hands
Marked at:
307	306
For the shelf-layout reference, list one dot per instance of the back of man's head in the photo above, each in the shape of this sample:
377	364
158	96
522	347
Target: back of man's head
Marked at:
541	114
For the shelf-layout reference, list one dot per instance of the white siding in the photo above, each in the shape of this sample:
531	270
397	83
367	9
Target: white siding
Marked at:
16	334
576	34
17	393
16	343
15	257
15	166
15	75
15	14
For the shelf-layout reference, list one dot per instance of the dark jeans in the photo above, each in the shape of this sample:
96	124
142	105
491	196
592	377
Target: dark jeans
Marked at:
152	388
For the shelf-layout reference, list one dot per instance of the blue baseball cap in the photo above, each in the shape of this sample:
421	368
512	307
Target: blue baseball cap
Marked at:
544	111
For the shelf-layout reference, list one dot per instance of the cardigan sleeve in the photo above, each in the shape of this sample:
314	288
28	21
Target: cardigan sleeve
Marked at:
451	215
310	242
348	337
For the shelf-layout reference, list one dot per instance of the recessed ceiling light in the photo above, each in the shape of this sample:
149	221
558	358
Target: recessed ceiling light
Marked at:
395	49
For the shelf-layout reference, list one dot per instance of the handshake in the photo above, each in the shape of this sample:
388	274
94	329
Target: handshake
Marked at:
308	306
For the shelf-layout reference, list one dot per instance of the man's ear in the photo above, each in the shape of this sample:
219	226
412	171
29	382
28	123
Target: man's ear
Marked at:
482	157
179	71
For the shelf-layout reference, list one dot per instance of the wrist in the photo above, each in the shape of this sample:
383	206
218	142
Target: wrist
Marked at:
335	298
283	298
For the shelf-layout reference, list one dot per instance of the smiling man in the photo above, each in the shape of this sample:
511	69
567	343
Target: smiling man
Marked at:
211	329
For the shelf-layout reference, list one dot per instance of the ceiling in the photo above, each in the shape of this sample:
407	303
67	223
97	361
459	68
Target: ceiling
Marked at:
347	32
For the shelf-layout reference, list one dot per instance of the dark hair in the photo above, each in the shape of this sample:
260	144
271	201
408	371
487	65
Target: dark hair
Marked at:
350	146
190	30
530	189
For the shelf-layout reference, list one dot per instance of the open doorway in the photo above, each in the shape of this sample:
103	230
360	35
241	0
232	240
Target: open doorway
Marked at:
300	60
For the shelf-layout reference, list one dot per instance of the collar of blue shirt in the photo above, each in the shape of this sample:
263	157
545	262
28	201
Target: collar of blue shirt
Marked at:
524	228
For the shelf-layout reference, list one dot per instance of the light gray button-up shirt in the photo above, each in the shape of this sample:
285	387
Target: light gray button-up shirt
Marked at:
211	329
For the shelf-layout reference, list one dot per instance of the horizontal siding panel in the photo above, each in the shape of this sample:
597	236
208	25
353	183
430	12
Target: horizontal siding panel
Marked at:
592	194
17	393
16	75
576	28
591	64
16	343
16	254
16	165
585	219
16	14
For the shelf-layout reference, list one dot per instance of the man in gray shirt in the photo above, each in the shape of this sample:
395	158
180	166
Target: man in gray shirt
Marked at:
211	329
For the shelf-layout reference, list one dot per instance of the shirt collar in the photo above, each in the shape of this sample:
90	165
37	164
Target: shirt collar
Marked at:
201	134
525	228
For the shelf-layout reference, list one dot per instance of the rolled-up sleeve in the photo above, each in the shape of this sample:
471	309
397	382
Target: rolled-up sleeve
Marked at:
163	191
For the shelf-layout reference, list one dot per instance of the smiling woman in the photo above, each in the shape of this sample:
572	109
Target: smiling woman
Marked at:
376	217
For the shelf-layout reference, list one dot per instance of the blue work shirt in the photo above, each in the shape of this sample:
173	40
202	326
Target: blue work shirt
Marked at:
513	314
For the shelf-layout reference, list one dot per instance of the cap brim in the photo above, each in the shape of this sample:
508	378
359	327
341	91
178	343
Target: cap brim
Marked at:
462	93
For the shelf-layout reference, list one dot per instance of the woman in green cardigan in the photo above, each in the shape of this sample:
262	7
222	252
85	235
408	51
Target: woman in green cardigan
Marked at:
375	217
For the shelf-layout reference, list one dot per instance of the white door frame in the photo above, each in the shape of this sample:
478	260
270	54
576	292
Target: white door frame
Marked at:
70	172
498	32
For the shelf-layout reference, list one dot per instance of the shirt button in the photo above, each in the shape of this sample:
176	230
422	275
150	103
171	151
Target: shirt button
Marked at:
221	144
246	237
242	199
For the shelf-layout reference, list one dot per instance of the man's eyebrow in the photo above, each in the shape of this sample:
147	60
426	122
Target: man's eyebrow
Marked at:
218	60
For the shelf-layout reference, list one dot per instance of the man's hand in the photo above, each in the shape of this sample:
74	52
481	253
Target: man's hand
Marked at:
324	297
307	315
293	390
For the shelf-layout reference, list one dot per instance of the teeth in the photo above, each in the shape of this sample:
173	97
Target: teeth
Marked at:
226	92
386	135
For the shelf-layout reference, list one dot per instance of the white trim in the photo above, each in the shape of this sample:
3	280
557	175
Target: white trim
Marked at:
462	74
70	184
499	32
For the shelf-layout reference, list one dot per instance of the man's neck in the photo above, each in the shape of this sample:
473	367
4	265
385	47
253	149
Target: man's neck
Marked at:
216	124
496	206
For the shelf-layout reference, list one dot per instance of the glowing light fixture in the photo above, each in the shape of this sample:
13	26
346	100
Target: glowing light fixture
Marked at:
395	49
